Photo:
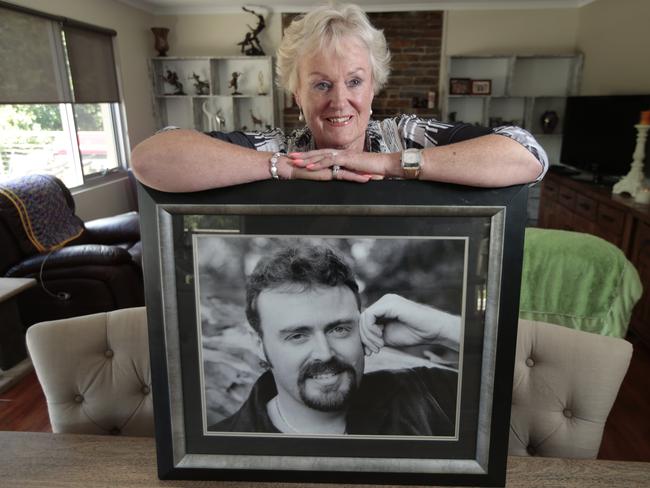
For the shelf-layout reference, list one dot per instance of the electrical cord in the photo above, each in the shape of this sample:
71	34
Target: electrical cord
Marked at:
61	295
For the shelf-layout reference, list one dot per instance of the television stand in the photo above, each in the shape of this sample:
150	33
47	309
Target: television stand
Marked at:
581	206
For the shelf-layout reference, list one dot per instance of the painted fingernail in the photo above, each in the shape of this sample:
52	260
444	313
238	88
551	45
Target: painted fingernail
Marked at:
294	154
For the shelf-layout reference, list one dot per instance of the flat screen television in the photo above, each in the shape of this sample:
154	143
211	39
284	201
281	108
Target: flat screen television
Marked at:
598	134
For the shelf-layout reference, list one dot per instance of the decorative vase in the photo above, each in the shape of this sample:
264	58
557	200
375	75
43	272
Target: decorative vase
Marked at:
161	45
549	121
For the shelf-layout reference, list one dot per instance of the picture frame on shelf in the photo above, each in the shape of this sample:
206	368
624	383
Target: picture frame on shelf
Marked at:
451	251
481	87
459	86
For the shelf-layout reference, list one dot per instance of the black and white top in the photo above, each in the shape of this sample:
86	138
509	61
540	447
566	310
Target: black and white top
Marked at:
388	136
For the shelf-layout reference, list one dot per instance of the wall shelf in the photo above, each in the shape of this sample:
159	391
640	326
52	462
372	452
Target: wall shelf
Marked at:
249	111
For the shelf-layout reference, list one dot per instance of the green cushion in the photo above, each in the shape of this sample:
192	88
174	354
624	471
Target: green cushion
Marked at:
577	280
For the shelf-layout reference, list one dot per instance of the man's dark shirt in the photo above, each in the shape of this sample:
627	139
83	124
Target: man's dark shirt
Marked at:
418	401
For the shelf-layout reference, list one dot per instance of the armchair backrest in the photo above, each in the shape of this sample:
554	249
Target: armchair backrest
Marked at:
565	384
94	371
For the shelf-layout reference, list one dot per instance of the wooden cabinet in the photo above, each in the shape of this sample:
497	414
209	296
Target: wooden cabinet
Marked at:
582	207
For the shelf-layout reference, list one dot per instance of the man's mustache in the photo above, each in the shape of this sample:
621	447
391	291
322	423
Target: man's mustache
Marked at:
331	366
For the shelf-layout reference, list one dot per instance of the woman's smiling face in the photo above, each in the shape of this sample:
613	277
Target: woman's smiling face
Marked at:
335	92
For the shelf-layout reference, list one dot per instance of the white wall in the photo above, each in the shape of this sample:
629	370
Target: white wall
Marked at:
474	32
217	34
614	36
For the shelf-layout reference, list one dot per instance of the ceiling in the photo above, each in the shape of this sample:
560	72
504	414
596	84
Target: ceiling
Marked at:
174	7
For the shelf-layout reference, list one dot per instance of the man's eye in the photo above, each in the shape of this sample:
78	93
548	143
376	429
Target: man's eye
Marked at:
340	331
297	338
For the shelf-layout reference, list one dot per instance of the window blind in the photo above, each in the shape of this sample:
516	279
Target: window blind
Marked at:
50	59
92	65
32	61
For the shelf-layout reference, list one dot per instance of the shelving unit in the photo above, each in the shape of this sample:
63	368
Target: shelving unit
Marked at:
523	88
253	109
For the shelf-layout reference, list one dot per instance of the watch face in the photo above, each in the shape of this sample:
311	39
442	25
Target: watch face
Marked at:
411	158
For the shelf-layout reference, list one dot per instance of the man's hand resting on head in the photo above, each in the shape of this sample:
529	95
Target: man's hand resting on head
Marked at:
395	321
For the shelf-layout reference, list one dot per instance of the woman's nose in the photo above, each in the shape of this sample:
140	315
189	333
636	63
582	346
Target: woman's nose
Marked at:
339	96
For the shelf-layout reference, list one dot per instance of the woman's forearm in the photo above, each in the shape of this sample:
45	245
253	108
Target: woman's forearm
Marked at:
186	160
487	161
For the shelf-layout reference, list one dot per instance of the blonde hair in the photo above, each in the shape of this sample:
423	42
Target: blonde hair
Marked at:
324	27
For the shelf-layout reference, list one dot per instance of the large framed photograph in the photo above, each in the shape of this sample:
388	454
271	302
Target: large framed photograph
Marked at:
333	332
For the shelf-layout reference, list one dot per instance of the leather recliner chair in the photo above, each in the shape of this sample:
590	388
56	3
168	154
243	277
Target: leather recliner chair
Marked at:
98	271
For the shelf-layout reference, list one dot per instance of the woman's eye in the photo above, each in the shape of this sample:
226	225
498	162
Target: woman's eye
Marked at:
323	86
355	82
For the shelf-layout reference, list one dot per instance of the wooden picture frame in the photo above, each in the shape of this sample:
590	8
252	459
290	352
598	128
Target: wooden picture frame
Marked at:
459	86
481	87
476	235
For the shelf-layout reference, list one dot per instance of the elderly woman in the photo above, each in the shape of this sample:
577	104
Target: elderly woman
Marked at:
333	61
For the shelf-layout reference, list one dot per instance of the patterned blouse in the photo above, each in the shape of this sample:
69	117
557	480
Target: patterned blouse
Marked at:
388	136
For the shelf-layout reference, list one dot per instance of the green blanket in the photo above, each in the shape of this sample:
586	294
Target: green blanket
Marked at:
577	280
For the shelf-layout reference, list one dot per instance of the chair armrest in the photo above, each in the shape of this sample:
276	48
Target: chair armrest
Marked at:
109	230
83	255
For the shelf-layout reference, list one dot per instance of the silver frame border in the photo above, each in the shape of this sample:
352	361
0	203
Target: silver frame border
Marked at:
183	459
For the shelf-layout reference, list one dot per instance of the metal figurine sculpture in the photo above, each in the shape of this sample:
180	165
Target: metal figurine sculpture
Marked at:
251	44
172	78
261	87
201	87
214	116
256	122
233	83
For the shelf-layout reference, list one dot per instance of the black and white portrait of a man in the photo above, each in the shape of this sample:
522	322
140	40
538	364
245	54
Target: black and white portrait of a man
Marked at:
331	336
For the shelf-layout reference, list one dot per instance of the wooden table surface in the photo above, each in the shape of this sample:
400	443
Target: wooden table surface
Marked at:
83	461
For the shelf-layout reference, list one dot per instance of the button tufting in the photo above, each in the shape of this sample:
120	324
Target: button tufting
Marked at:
115	431
531	450
530	362
145	390
108	353
567	413
78	398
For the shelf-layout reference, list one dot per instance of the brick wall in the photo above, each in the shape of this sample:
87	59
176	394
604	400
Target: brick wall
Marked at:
414	39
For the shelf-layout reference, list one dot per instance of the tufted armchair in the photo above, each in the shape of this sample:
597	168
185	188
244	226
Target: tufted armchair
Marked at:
95	372
564	386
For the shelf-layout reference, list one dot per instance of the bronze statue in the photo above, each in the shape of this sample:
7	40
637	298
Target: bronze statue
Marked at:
233	83
251	44
171	77
256	122
201	87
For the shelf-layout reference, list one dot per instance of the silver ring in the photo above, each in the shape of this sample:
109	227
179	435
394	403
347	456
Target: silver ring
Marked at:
335	171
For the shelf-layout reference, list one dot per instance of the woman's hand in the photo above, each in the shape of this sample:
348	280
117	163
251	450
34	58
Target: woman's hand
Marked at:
352	166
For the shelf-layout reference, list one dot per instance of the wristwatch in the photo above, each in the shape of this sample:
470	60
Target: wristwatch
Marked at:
411	163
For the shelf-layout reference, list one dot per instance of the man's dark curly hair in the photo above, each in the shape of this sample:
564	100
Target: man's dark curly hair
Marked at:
307	266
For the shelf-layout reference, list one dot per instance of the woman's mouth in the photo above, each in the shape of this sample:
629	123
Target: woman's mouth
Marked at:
339	121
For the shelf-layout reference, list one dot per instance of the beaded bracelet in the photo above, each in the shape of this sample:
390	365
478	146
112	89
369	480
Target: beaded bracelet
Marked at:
274	165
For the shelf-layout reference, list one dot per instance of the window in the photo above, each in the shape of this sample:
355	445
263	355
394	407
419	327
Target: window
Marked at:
59	99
